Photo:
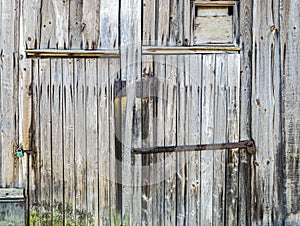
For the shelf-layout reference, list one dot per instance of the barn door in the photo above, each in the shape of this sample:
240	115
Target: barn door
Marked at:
191	100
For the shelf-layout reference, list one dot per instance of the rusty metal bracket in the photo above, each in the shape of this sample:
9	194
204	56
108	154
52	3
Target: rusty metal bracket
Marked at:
249	145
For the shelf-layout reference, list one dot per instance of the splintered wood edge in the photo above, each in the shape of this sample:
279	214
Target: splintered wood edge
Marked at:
215	3
147	50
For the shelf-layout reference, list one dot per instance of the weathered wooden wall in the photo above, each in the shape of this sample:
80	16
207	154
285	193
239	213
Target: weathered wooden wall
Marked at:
80	129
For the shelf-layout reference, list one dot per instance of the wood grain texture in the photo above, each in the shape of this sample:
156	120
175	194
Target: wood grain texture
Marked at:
206	163
75	27
194	102
92	130
159	135
57	139
289	41
233	112
182	138
131	57
69	140
220	136
109	24
90	24
246	23
170	100
9	93
265	110
103	90
80	141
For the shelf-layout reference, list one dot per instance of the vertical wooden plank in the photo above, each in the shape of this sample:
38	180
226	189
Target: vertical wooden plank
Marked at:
219	161
90	23
47	39
232	177
103	136
208	112
176	23
130	71
9	93
45	202
109	24
149	16
170	139
31	23
265	109
56	132
187	15
75	11
245	167
114	74
148	115
34	161
147	140
80	141
68	142
290	22
163	11
61	15
91	140
194	83
182	129
159	134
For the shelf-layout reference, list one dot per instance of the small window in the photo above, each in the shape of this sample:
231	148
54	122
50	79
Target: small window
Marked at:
215	22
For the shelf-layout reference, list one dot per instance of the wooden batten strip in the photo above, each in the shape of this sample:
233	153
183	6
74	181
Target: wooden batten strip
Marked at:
151	50
147	50
52	53
215	3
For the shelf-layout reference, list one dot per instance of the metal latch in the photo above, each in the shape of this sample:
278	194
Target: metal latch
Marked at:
21	152
249	145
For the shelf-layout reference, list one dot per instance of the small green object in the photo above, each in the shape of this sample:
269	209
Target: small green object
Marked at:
20	154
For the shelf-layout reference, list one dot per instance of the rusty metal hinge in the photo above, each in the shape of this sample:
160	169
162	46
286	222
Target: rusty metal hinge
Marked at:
249	145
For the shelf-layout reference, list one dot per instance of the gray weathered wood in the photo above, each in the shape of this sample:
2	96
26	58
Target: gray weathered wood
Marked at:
103	90
182	138
289	85
220	136
170	100
233	110
69	140
265	110
91	148
194	100
159	140
206	163
109	22
80	141
246	19
75	27
9	93
131	56
90	23
57	166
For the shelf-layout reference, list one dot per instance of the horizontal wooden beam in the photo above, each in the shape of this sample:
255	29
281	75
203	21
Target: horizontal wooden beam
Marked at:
215	3
185	50
147	50
56	53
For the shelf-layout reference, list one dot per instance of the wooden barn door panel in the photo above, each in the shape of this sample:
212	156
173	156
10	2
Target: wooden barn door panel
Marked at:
72	172
196	101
